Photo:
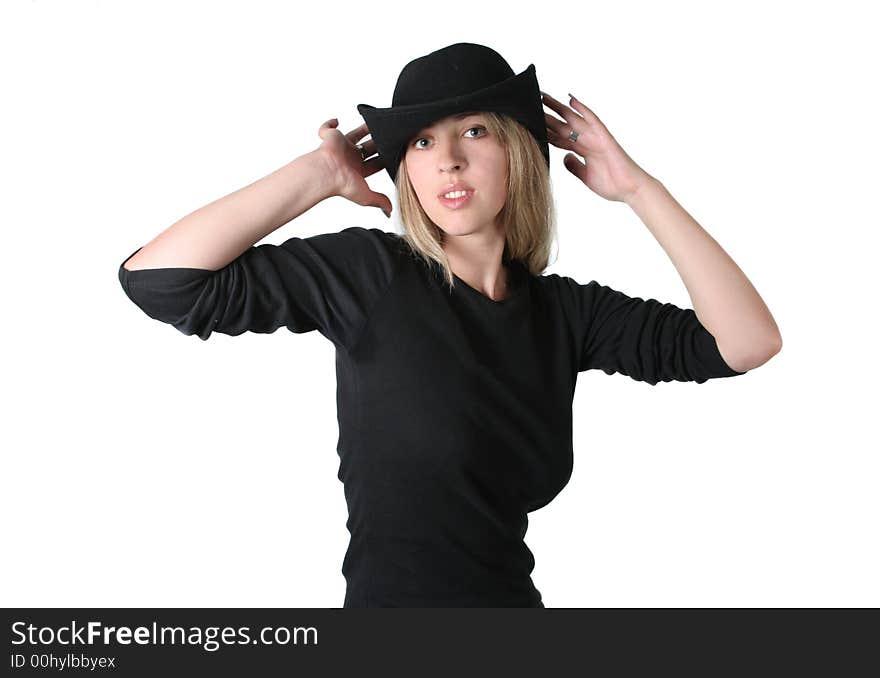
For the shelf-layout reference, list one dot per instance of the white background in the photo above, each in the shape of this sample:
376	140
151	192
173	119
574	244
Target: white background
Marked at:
142	467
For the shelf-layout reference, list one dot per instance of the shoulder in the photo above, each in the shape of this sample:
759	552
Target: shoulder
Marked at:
564	288
350	236
376	238
352	244
392	244
577	301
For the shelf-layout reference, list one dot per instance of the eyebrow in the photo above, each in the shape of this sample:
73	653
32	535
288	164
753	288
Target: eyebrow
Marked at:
457	116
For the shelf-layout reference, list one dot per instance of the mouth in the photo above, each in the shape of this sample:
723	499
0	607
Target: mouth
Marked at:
455	203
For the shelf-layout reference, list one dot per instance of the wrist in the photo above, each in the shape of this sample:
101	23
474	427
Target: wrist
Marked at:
642	187
331	176
325	173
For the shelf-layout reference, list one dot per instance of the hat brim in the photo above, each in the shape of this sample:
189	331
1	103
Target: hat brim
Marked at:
517	96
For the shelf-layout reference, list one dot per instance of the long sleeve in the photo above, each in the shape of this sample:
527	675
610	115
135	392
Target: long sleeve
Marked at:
326	282
646	340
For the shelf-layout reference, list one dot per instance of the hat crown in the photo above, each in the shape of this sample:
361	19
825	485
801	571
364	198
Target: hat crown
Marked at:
452	71
458	78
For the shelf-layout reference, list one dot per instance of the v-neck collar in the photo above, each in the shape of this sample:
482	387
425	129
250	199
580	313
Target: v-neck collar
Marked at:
515	286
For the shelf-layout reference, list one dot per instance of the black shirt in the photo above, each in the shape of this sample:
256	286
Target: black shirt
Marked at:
454	410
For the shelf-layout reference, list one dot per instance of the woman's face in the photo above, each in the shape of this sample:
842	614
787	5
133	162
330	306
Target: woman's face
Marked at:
459	149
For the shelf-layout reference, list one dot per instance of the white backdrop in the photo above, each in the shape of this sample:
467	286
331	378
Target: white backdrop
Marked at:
142	467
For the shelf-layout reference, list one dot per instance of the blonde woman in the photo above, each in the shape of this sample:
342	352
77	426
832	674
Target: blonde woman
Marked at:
457	356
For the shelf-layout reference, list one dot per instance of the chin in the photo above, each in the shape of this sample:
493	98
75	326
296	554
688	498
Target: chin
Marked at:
455	230
460	226
463	226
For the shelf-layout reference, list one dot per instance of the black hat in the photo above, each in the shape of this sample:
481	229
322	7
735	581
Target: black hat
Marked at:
455	79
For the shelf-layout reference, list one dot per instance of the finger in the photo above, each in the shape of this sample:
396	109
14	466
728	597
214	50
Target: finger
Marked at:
358	133
369	147
561	132
372	166
588	115
554	124
383	202
326	126
560	140
353	136
575	166
564	111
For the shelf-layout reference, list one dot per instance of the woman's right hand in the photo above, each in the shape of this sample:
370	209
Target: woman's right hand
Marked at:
347	169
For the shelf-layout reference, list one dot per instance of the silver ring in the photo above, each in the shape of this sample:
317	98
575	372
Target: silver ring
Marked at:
573	135
360	148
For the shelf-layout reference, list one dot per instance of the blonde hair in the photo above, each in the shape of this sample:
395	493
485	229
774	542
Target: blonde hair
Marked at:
528	217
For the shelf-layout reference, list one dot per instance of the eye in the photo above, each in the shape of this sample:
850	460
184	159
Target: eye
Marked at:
479	127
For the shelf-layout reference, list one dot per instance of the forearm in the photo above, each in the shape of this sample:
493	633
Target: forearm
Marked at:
214	235
724	300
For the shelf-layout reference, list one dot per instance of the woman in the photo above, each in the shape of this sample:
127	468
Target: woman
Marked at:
457	358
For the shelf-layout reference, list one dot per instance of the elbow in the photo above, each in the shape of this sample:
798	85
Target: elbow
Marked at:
770	347
776	346
752	356
763	352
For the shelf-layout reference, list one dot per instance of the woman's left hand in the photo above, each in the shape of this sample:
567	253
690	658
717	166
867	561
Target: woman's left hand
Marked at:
607	170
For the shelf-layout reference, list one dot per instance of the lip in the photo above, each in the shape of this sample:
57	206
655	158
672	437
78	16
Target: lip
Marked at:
458	186
455	203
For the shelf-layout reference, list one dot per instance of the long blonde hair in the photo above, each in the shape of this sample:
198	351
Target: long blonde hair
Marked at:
528	217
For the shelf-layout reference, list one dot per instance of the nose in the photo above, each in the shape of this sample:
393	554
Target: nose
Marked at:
450	162
450	158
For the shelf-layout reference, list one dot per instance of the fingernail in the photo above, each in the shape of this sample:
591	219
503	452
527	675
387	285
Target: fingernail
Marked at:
572	96
386	212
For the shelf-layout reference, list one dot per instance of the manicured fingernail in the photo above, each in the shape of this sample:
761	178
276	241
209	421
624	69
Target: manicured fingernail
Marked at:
571	96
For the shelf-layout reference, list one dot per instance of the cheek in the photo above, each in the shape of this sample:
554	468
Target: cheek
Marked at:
497	184
498	177
500	195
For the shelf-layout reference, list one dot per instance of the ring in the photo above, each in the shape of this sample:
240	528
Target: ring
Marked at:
573	135
360	148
